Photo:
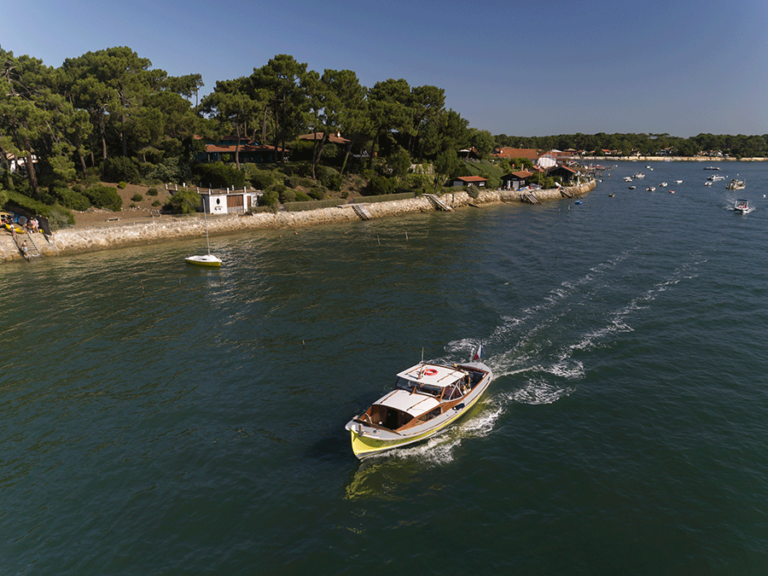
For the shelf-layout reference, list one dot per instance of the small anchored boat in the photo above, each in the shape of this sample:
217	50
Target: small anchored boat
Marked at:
735	184
206	259
427	398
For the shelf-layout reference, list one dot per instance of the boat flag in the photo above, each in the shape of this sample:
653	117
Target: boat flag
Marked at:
479	353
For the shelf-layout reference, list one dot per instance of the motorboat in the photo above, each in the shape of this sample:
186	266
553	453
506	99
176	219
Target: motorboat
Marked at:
742	207
716	178
206	259
632	187
627	178
678	181
663	185
735	184
427	398
651	189
712	168
638	175
707	183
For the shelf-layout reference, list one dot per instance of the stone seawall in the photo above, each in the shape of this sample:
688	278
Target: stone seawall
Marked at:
77	240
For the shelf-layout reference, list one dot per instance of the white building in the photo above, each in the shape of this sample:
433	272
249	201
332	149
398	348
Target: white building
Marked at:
229	202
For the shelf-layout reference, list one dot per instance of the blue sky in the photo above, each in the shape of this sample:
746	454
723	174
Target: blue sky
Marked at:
517	68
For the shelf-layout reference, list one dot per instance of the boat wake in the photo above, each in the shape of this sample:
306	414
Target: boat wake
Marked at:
538	355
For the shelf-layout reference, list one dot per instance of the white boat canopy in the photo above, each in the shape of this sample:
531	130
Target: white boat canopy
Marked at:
413	404
432	375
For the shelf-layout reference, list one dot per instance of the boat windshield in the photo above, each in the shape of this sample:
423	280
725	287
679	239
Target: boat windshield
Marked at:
412	386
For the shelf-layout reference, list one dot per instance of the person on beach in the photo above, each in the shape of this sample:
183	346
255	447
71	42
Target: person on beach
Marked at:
25	250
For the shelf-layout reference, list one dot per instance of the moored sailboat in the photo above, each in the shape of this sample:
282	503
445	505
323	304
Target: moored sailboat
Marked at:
206	259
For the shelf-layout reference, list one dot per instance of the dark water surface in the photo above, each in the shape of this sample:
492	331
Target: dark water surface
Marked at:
161	419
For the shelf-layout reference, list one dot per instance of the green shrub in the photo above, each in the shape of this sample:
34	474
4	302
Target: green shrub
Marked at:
152	192
263	179
279	188
77	188
332	181
302	196
269	198
293	181
287	195
58	217
184	201
122	185
156	203
137	197
379	185
306	182
71	199
104	197
317	193
218	175
120	169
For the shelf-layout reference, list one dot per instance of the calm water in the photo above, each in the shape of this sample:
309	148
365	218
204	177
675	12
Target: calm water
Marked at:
161	419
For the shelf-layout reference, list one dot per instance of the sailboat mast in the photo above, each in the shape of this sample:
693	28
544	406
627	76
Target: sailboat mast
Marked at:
205	217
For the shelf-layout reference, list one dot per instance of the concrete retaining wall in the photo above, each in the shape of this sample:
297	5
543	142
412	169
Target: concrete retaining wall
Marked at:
75	240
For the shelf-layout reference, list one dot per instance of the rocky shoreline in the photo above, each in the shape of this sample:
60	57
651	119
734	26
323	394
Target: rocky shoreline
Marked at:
117	235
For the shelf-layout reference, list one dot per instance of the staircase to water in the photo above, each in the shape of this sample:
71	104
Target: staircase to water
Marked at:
439	204
361	212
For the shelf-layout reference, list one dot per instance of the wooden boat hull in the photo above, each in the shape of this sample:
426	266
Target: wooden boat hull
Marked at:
369	440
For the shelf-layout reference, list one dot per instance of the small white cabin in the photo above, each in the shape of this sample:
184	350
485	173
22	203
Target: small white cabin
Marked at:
229	202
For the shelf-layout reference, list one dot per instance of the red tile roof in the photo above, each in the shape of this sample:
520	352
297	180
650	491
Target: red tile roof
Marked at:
472	179
528	153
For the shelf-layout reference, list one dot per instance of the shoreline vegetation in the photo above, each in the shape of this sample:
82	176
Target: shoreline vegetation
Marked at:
106	130
142	232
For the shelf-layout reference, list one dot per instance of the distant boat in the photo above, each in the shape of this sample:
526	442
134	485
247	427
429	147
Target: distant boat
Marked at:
651	189
206	259
735	184
663	184
611	195
627	178
716	178
707	183
638	175
742	207
712	168
678	181
632	187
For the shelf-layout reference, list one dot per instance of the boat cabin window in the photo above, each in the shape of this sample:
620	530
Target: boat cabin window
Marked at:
389	417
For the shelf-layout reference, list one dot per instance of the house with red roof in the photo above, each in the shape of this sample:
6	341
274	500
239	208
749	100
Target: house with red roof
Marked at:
223	150
510	153
516	180
478	181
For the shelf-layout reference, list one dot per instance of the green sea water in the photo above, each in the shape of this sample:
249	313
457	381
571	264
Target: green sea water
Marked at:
162	419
